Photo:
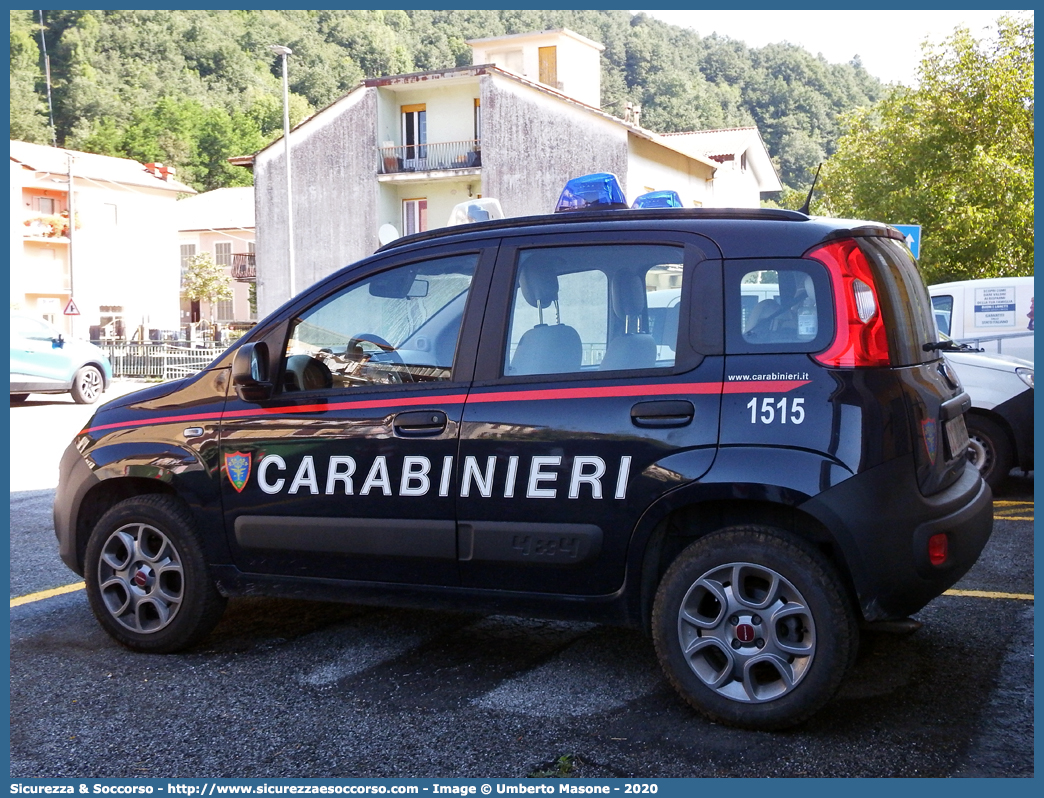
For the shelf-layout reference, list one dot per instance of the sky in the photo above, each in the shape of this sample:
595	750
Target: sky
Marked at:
887	42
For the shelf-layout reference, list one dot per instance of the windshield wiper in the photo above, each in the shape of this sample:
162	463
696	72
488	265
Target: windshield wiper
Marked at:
949	346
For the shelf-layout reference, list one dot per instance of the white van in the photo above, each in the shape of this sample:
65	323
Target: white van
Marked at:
995	314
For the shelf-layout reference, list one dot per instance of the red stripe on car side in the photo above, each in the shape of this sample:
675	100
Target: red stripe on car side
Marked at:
660	389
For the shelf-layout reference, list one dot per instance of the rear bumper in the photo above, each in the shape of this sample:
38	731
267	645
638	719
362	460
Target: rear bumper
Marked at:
882	524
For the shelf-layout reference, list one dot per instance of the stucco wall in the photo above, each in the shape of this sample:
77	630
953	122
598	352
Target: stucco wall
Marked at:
335	198
657	168
126	254
578	63
533	144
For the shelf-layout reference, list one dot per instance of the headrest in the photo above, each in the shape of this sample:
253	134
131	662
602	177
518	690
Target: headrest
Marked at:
810	289
764	310
539	284
628	294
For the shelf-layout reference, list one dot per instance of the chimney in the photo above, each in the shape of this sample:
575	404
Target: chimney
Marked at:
165	173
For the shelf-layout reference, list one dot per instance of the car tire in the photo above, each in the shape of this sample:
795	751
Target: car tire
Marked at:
147	579
18	398
87	386
765	656
989	449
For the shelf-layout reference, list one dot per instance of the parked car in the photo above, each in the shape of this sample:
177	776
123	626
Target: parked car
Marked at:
994	313
490	418
1000	422
43	361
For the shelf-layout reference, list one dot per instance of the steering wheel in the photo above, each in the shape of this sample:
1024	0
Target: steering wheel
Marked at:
392	355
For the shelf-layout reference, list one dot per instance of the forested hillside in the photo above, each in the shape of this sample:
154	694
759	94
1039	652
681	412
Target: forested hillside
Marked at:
191	88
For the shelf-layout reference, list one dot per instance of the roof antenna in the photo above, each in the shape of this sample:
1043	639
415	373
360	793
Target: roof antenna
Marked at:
807	207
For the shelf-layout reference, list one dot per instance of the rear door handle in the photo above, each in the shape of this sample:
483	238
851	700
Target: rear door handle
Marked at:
419	423
667	413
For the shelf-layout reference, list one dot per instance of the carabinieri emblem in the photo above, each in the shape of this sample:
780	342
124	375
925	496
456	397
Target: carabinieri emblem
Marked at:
931	442
237	467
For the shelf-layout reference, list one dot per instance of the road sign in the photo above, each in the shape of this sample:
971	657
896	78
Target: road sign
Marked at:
71	309
912	233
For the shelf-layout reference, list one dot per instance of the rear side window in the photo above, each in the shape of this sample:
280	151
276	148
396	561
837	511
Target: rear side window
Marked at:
783	306
594	309
906	306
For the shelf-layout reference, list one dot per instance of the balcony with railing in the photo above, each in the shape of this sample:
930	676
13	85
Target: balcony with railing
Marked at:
440	156
244	267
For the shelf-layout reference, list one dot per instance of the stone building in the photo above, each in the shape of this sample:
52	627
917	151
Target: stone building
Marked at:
403	150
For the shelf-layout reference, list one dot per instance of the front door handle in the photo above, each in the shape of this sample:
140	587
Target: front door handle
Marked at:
419	423
665	413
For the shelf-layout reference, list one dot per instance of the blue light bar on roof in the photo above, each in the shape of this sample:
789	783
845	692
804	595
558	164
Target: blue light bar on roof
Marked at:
600	191
659	199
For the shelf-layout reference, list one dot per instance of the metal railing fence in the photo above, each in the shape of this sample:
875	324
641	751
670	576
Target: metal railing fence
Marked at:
998	340
158	360
428	157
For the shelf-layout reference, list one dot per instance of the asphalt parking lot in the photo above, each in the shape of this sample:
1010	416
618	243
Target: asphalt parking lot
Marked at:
304	689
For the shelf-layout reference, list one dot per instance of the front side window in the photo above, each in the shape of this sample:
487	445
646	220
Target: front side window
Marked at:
33	329
397	327
594	309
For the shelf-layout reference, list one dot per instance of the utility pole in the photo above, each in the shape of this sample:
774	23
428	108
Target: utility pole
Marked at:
284	51
71	206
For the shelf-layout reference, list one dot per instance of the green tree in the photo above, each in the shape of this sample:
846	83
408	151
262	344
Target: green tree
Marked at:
954	155
28	106
205	281
152	84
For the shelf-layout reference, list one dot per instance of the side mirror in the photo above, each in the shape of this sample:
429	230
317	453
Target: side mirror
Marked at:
57	343
250	372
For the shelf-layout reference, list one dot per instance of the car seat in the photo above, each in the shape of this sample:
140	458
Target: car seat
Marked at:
633	349
546	348
759	322
305	373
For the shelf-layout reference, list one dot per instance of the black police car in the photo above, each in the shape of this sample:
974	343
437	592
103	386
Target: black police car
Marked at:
732	428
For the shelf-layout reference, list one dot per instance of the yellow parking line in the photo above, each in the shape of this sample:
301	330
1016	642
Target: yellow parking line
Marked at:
1012	518
989	594
58	591
43	594
1012	503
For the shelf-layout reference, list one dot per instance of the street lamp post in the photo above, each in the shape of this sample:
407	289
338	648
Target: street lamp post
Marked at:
283	51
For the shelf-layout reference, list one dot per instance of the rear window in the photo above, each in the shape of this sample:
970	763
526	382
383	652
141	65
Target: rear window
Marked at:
906	306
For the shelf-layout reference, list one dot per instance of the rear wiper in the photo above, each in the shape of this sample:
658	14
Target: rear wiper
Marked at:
950	346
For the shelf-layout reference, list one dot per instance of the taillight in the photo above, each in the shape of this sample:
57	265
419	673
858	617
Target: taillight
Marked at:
938	548
861	339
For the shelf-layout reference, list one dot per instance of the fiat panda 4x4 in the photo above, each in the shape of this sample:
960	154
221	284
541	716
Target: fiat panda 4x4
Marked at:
731	428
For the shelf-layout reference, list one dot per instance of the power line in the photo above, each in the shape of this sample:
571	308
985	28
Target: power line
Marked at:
47	75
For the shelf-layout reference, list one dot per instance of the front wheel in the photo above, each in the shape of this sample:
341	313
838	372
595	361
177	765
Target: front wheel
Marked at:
147	578
754	628
87	386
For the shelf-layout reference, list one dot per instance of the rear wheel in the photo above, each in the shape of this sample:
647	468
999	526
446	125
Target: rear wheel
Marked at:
147	579
754	628
989	449
87	386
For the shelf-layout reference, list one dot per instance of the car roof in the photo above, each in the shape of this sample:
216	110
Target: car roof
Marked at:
787	233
